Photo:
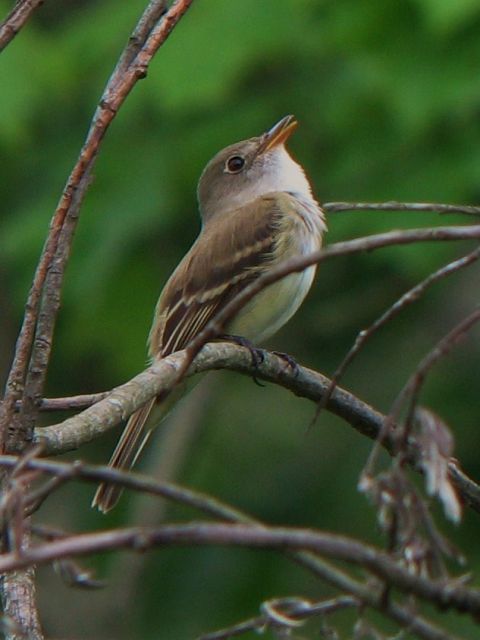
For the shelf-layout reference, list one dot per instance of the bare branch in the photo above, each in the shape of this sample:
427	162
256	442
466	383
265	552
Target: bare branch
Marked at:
320	568
115	93
306	383
16	19
412	388
379	563
283	612
295	265
414	207
160	377
68	403
411	296
64	471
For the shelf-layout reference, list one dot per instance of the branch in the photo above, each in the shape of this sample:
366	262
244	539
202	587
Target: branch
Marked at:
283	613
16	19
28	372
298	264
414	207
306	383
19	601
411	296
412	388
146	40
376	561
320	568
159	378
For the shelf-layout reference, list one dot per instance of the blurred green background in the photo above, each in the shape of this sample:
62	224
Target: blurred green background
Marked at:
387	94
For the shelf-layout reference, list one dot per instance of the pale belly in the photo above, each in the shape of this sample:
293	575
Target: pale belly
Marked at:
273	307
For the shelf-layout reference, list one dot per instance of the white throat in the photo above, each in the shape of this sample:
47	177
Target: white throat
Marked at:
284	174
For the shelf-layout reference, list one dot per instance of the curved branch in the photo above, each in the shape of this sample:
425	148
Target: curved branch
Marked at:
146	41
159	378
306	383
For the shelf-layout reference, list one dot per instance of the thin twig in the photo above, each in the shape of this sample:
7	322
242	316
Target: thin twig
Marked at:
411	296
414	207
66	471
290	611
68	403
16	19
216	325
413	387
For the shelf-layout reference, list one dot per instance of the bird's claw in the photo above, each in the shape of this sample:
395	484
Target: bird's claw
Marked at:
289	361
257	355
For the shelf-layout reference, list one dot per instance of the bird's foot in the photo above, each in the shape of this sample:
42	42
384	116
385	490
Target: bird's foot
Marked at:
256	354
289	361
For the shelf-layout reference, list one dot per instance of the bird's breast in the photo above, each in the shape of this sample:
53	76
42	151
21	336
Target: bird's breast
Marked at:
272	307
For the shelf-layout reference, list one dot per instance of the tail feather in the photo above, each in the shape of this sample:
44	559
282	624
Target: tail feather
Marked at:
129	447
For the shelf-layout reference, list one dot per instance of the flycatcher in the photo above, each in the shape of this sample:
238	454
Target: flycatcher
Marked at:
257	210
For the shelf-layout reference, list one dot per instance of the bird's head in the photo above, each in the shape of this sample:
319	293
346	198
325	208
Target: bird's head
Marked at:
251	168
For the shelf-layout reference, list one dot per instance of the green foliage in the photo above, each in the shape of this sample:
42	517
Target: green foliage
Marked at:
388	98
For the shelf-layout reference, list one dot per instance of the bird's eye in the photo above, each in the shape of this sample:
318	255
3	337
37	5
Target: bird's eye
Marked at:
235	164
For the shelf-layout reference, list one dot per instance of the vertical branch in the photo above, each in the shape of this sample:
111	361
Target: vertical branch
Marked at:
19	598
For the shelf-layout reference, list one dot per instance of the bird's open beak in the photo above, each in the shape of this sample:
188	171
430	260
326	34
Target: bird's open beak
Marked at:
278	134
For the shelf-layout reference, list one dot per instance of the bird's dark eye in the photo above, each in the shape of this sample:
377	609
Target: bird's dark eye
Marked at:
235	164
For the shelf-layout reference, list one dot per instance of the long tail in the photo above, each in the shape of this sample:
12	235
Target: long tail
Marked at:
129	447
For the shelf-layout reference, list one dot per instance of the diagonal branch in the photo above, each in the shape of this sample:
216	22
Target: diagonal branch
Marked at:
412	388
16	19
411	296
295	265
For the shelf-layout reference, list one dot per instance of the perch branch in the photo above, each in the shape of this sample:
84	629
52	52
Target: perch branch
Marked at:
306	383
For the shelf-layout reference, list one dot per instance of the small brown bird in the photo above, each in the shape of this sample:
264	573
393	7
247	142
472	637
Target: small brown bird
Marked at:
257	210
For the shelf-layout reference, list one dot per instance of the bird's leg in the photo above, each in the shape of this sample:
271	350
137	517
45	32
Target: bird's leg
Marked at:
256	354
289	360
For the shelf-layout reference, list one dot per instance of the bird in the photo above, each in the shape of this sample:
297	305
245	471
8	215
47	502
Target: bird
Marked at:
257	210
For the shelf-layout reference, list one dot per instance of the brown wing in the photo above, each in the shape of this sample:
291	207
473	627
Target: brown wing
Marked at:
227	256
